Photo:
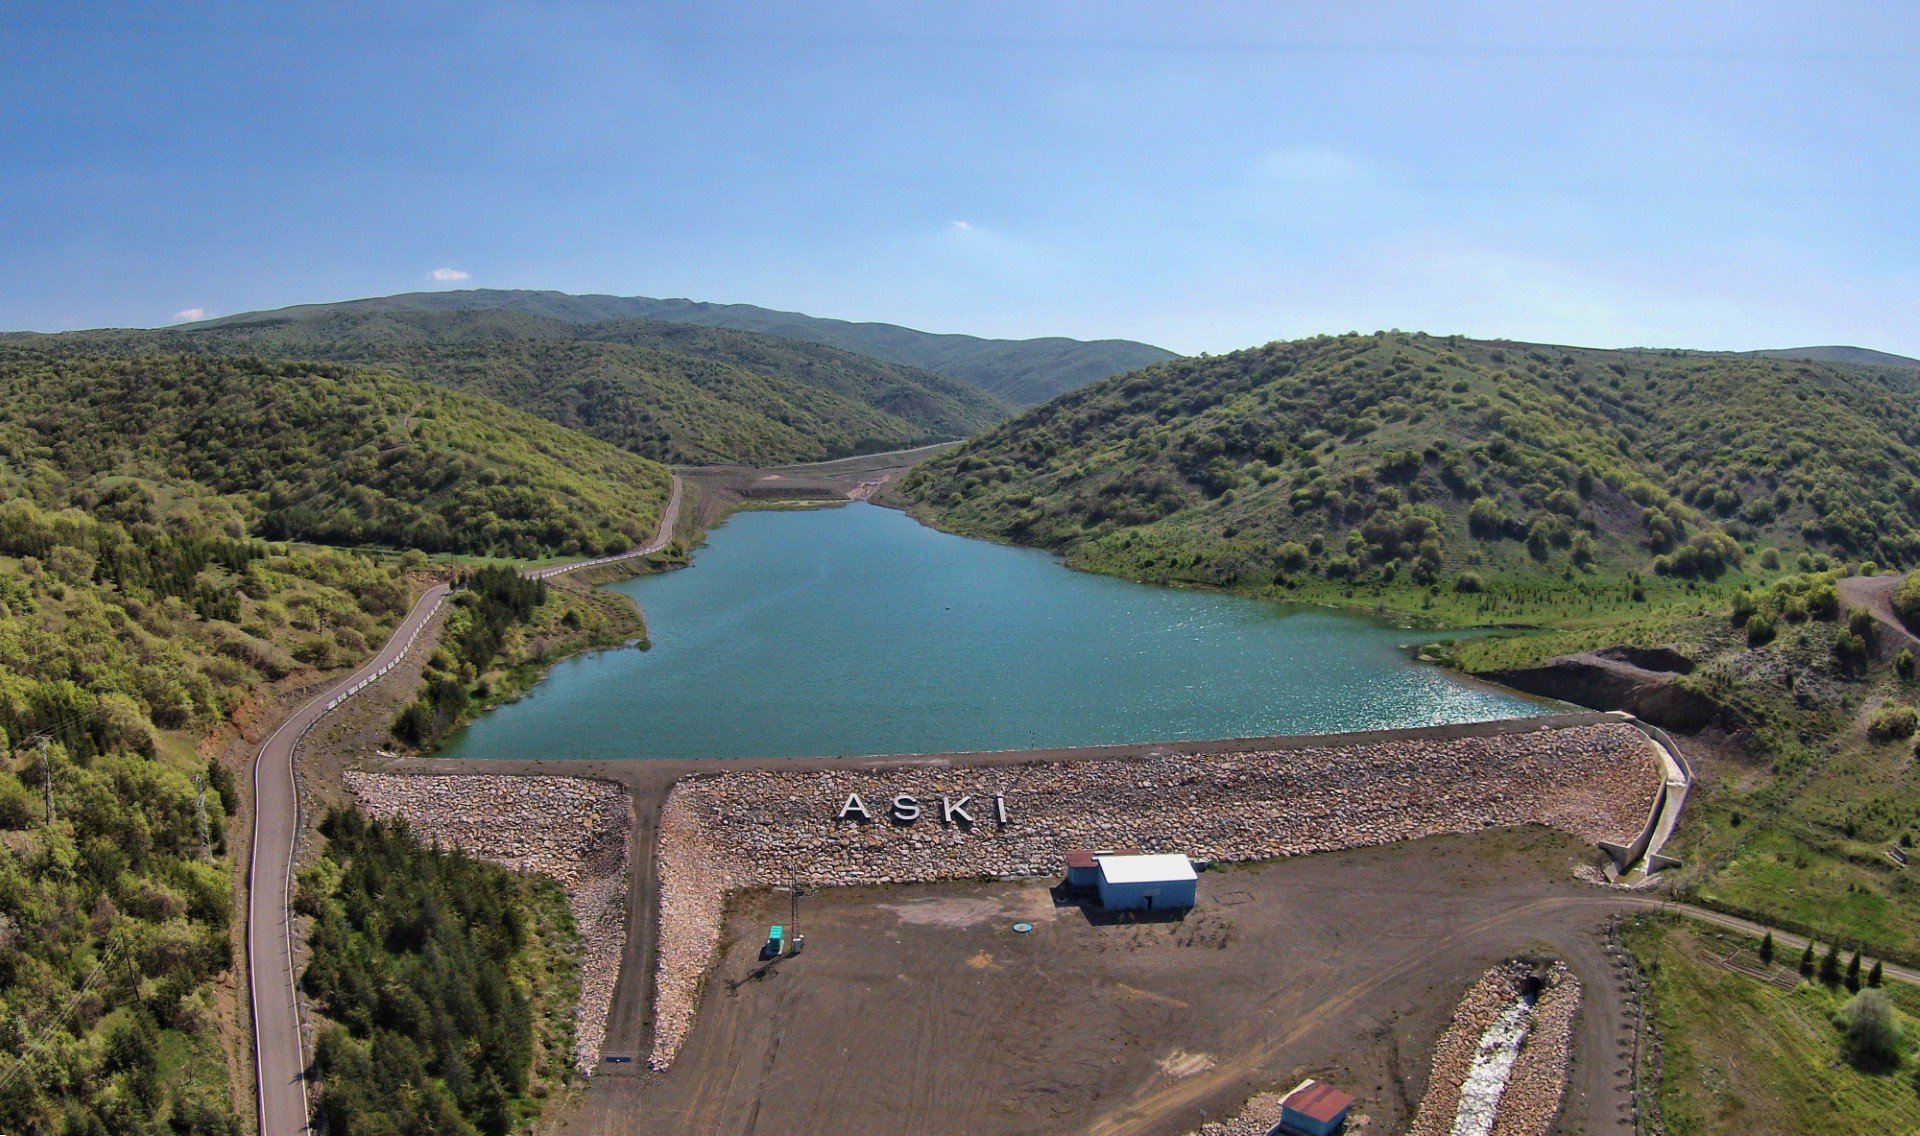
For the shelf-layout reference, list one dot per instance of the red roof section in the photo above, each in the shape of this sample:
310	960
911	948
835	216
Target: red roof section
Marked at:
1323	1103
1085	857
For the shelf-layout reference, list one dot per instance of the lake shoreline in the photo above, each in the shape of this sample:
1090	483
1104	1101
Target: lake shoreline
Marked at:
860	631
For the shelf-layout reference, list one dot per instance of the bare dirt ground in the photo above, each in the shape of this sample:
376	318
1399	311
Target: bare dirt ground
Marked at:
1875	593
919	1009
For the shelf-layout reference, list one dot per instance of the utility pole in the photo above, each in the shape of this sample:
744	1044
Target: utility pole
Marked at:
200	810
46	773
797	894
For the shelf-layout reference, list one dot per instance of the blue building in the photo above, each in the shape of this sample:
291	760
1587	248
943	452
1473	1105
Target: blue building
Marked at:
1313	1109
1083	866
1146	883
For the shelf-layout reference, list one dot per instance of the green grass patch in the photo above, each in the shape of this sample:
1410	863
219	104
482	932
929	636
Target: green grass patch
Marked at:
1741	1056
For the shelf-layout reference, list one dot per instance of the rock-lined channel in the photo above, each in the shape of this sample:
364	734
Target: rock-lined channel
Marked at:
1501	1067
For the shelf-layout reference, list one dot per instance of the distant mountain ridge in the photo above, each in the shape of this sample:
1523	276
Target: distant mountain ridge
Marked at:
672	392
1857	356
1021	371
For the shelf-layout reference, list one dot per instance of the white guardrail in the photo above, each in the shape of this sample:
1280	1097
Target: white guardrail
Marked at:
549	573
382	672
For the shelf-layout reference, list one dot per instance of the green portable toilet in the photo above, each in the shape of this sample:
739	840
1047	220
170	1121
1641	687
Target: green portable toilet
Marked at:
776	942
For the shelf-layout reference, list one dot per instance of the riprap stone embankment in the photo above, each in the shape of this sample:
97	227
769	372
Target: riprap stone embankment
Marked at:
728	830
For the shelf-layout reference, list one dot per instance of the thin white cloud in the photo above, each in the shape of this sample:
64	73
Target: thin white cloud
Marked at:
962	227
449	275
189	315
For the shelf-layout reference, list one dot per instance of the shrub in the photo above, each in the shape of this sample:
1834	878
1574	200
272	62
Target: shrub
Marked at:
1469	582
1891	722
1906	601
1761	630
16	804
1872	1040
1903	663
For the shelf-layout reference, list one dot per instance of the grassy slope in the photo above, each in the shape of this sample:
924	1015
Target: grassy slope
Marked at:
1742	1056
1021	371
324	453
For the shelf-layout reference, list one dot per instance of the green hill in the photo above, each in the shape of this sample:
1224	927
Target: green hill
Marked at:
1367	461
140	616
318	452
673	393
1020	371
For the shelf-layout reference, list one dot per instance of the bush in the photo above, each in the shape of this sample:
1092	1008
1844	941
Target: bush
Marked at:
1903	663
16	804
1872	1039
1906	601
1468	582
1761	629
1891	722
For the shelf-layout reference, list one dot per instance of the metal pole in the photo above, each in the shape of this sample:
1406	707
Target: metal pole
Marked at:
200	810
46	777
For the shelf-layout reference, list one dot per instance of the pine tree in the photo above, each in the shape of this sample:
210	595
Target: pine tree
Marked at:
1806	961
1853	973
1766	950
1874	976
1830	965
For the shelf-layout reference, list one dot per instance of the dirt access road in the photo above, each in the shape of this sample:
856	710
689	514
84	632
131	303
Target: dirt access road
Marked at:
279	1044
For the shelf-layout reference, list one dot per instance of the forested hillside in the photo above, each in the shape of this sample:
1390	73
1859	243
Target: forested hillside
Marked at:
1021	371
674	393
316	452
1392	458
124	637
141	611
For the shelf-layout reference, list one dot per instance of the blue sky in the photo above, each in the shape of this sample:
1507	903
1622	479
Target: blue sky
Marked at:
1717	176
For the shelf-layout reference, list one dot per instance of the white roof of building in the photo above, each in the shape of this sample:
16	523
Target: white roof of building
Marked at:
1153	869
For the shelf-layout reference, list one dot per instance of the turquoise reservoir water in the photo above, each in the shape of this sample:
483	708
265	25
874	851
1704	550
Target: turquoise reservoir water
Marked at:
859	631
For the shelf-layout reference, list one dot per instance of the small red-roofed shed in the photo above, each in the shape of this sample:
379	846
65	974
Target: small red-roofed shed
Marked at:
1312	1109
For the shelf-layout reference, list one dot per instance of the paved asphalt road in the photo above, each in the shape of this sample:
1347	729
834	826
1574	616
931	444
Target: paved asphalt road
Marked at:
279	1049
